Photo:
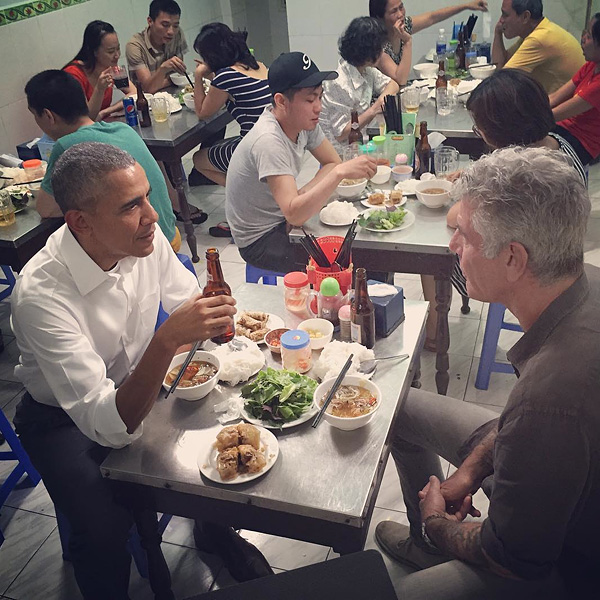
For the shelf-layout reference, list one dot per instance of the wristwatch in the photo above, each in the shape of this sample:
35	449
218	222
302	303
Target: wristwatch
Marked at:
426	538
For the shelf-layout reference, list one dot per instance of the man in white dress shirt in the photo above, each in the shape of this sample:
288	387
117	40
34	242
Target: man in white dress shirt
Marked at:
83	311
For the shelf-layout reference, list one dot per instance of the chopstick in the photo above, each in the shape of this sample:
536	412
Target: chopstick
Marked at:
333	390
184	366
188	78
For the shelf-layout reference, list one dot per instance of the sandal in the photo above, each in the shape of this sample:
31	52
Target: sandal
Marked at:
220	230
197	216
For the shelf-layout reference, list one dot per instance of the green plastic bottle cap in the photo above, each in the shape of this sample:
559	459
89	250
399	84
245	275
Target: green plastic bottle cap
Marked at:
454	42
329	287
379	140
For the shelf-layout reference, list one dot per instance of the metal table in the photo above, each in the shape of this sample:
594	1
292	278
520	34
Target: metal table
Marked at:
322	488
19	242
422	248
170	141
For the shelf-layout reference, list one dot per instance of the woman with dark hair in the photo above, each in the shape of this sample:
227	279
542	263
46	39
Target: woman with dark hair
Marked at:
576	105
360	48
511	108
93	66
396	59
239	82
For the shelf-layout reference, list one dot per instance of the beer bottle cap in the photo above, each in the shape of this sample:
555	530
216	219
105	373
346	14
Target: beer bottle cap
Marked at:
329	287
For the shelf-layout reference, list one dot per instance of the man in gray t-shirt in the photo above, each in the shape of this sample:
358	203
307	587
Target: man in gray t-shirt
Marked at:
262	196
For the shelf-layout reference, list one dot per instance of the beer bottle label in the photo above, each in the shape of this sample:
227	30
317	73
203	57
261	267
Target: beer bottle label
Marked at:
209	277
356	333
354	125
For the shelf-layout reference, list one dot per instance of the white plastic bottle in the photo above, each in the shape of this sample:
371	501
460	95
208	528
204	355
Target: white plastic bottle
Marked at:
440	46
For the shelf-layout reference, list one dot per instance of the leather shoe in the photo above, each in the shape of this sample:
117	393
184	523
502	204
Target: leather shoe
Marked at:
243	560
395	540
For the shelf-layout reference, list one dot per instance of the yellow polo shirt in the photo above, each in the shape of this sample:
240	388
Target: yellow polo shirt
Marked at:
550	53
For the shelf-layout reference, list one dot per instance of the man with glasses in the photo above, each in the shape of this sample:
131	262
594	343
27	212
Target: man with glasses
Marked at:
549	52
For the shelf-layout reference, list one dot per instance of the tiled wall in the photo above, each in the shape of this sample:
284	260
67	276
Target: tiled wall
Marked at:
50	40
315	25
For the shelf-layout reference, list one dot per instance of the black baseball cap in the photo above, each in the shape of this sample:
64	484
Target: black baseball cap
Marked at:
294	70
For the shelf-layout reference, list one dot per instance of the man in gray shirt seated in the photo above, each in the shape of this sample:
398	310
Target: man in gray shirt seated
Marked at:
520	235
262	196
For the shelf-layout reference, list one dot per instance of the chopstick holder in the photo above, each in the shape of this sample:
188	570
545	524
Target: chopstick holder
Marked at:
333	390
184	366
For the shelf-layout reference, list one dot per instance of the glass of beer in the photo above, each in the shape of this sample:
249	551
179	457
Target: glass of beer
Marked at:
161	109
120	77
411	99
7	210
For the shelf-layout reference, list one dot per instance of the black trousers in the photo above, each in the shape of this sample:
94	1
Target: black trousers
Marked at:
69	463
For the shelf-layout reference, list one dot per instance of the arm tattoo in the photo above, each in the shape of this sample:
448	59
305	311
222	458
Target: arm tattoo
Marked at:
462	540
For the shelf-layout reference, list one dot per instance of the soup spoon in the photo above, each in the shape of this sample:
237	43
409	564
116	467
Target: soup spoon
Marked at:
368	366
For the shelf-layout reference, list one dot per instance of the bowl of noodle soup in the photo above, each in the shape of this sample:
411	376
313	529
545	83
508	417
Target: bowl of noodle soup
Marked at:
354	404
200	378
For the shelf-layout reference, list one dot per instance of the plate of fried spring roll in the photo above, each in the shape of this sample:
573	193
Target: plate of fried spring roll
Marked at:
254	324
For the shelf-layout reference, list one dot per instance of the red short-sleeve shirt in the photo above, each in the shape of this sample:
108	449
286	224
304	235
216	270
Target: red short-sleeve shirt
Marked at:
586	126
77	71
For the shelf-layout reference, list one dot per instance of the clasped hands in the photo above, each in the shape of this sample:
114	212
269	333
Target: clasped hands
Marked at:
453	497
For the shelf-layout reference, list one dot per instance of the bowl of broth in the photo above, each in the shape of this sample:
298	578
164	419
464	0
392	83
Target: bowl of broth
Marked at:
353	405
199	379
350	188
434	193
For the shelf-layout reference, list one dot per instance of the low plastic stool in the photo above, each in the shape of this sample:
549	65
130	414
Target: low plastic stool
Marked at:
134	545
487	362
8	280
254	275
24	465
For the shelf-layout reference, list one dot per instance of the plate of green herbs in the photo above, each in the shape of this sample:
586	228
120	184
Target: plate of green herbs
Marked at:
383	220
279	399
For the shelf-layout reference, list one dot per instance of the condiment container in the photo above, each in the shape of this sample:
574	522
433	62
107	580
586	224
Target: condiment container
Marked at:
296	290
329	300
296	354
33	169
345	323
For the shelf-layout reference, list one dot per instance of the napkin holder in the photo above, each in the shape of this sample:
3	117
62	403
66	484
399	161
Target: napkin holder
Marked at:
402	143
389	311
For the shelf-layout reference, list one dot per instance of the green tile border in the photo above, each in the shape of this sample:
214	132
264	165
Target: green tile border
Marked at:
27	10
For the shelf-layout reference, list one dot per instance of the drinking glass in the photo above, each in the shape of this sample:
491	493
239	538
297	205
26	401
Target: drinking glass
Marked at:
411	99
161	109
7	210
120	77
445	160
445	101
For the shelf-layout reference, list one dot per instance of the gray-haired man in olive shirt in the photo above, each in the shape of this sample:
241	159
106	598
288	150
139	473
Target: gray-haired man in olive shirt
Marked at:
520	237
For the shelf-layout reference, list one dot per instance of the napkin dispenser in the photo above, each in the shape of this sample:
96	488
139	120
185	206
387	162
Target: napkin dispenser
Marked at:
389	311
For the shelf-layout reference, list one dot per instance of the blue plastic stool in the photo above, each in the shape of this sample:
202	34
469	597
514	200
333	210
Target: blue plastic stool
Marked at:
187	263
23	466
134	545
254	275
8	280
487	362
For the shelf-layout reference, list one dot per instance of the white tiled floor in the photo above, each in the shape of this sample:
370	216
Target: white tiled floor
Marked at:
31	566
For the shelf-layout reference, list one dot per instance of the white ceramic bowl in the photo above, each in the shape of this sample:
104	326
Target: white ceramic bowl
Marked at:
269	339
433	200
425	70
188	100
324	326
178	79
196	392
402	172
350	423
481	71
351	191
382	176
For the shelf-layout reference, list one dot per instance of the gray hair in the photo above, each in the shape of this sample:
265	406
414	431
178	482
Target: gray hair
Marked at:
533	196
535	7
78	177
